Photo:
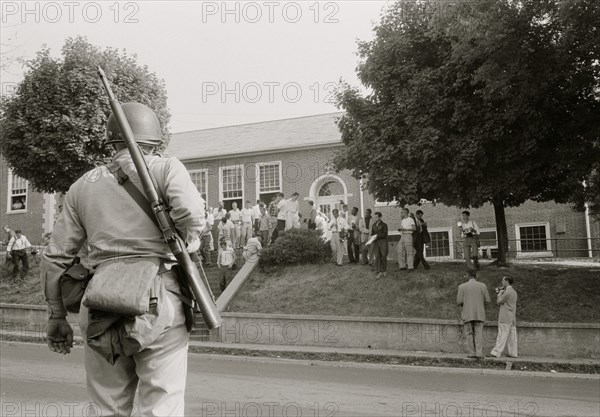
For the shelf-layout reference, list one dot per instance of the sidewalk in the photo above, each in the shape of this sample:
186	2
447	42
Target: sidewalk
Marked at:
364	355
379	352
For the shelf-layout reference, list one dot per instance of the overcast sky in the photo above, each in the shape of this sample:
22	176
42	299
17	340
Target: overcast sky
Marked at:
224	63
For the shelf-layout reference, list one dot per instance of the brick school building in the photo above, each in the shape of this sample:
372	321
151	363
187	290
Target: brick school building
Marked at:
258	160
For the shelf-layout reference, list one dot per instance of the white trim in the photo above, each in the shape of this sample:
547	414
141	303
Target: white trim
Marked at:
547	252
9	195
313	192
258	165
489	229
393	203
221	168
205	170
448	230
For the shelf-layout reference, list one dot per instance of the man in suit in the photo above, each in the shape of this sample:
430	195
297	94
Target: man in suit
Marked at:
507	319
364	226
421	237
472	296
380	245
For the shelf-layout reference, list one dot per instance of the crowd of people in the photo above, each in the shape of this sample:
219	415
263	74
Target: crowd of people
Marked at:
364	239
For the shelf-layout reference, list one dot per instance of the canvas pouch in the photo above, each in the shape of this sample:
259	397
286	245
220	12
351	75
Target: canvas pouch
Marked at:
122	286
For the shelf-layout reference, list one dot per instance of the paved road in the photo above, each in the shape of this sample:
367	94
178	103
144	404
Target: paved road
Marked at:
36	382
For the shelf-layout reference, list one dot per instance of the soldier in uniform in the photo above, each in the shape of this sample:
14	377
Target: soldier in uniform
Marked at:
101	216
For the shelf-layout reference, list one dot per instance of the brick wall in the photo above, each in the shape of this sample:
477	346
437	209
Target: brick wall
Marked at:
302	168
30	221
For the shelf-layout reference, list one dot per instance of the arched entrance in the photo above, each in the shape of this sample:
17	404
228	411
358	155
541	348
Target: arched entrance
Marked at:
329	192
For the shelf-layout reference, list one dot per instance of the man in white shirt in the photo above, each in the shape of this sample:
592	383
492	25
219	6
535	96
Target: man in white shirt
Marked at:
469	230
281	215
226	230
218	214
321	225
405	249
291	206
236	218
247	218
353	236
252	249
17	251
336	226
257	215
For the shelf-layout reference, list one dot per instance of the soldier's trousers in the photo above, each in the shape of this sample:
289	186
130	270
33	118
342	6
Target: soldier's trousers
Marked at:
159	373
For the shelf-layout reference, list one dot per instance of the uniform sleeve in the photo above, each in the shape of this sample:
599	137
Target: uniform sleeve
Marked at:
187	206
68	236
11	242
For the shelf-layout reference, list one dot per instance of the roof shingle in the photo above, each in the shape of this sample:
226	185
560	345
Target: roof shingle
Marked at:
286	134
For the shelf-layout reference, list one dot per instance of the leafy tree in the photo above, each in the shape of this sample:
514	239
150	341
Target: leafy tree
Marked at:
53	127
492	101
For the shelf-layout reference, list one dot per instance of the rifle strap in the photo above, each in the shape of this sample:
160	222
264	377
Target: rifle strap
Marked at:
133	191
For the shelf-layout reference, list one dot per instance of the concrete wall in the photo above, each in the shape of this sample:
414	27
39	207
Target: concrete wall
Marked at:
24	319
559	340
556	340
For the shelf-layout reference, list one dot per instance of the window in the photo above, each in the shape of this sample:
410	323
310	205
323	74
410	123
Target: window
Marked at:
200	180
17	193
488	238
441	243
269	181
392	203
533	239
331	188
232	186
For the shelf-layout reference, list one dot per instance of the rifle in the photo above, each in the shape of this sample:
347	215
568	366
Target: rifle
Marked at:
191	277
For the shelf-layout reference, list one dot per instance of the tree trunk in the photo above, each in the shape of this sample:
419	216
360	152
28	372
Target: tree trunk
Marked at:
502	233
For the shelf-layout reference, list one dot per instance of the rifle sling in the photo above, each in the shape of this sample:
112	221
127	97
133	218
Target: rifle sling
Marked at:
144	204
135	193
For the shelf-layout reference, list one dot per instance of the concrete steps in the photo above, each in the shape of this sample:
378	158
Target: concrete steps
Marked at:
201	332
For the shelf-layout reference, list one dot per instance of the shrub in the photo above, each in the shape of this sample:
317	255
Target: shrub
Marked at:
296	246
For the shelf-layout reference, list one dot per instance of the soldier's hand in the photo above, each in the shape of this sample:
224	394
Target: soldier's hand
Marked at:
60	336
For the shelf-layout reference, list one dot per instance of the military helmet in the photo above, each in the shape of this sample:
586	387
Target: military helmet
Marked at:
143	123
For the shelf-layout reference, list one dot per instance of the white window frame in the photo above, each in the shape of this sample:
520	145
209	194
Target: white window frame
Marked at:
546	253
261	164
9	195
392	203
450	242
221	169
489	229
205	171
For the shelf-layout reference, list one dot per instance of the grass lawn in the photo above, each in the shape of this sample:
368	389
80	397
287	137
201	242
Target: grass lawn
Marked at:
30	291
26	292
547	292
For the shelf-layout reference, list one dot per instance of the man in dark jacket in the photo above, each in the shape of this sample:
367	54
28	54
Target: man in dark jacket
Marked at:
380	245
421	237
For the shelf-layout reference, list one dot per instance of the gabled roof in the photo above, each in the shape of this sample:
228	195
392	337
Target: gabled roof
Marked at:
276	135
